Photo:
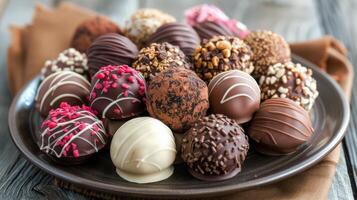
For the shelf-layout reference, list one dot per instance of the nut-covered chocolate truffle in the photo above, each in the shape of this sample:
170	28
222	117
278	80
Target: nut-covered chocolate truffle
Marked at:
62	86
117	92
220	54
215	148
90	29
280	126
71	134
110	49
68	60
268	49
177	97
291	81
208	29
181	35
235	94
158	57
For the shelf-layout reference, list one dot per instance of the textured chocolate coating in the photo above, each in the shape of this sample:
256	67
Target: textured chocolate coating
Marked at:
215	148
235	94
181	35
219	54
177	97
280	127
62	86
110	49
208	29
117	92
90	29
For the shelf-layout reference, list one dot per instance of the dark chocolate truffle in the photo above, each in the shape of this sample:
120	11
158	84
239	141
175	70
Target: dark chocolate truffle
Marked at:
71	134
291	81
280	126
158	57
235	94
117	92
90	29
110	49
268	49
219	54
62	86
208	29
177	97
215	148
181	35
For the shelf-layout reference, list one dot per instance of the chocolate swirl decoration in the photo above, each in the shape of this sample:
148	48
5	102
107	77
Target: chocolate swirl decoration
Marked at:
208	29
280	127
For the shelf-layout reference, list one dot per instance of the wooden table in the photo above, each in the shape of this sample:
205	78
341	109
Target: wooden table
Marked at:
295	20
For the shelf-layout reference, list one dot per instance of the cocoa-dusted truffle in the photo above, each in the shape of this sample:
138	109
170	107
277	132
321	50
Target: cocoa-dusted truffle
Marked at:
68	60
215	148
117	92
158	57
208	29
110	49
235	94
62	86
90	29
181	35
177	97
268	49
71	134
220	54
280	126
289	80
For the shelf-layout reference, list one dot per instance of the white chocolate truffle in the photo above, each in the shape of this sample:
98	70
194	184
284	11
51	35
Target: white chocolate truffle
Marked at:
143	150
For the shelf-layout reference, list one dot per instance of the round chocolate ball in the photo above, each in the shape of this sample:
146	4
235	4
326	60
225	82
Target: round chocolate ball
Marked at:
158	57
268	49
215	148
289	80
279	127
219	54
71	134
177	97
208	29
90	29
62	86
235	94
68	60
110	49
117	92
181	35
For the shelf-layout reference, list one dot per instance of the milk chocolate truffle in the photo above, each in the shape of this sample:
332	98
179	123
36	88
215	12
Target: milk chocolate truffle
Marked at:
117	92
90	29
235	94
215	148
177	97
268	49
62	86
219	54
143	150
71	134
181	35
68	60
110	49
145	22
158	57
289	80
208	29
280	127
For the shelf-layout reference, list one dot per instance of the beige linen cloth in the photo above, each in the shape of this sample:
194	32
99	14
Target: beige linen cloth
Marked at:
51	30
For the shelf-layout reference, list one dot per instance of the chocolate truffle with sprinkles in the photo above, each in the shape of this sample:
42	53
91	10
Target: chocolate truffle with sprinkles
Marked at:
71	134
289	80
219	54
117	92
208	29
215	148
177	97
158	57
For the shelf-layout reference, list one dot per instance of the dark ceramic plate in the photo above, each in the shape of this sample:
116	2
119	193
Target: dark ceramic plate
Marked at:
330	117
